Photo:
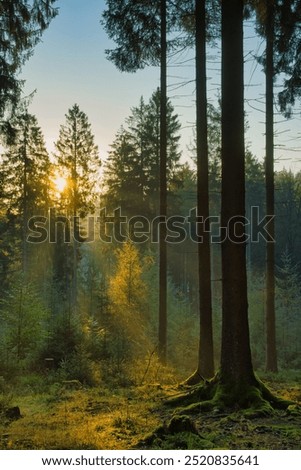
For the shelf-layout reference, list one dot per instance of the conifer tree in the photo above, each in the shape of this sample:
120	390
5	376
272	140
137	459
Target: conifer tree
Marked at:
78	158
132	169
25	172
22	24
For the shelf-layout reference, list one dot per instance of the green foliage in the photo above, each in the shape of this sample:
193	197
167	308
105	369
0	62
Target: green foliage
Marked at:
288	212
79	366
128	302
131	177
24	174
25	167
22	24
77	157
136	31
288	297
23	333
135	28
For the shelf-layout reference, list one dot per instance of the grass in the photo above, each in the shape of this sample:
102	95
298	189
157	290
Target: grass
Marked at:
81	419
102	418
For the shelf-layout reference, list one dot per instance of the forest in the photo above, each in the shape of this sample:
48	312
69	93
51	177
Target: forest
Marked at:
150	298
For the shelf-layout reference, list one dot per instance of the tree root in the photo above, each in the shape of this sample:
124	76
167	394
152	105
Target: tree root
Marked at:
194	379
254	398
219	398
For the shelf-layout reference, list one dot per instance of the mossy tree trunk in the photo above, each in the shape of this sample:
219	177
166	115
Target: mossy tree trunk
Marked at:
236	363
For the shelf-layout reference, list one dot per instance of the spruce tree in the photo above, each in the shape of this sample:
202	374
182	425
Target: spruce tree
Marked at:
78	158
131	177
25	177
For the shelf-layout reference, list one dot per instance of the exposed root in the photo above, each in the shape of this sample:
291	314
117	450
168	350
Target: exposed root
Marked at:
254	399
196	393
194	379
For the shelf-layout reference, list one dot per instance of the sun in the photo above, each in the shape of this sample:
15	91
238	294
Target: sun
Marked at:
60	183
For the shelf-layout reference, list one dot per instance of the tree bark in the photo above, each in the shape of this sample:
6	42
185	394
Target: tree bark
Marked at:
236	363
75	225
163	192
205	360
25	203
271	352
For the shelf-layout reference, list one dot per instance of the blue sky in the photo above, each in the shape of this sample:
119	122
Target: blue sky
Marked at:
69	66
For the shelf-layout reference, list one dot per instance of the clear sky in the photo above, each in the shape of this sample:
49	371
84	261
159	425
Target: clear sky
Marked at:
69	66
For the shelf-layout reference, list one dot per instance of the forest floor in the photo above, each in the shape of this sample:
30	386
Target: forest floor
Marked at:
71	417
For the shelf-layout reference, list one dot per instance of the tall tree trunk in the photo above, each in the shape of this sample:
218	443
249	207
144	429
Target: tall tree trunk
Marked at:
271	352
25	206
75	227
163	192
205	360
236	363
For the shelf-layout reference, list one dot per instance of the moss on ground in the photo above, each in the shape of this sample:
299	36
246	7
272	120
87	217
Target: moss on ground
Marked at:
98	418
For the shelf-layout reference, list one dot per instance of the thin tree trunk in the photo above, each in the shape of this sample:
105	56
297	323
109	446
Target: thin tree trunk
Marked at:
75	227
25	206
271	352
205	360
74	268
236	363
163	193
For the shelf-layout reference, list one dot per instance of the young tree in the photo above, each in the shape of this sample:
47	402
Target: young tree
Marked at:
127	297
77	156
23	318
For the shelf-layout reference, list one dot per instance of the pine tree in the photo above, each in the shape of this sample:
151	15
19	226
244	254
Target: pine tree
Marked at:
125	177
25	175
23	318
131	177
77	157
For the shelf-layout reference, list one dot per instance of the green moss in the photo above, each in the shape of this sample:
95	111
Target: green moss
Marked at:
181	424
254	398
182	440
290	431
294	410
198	393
